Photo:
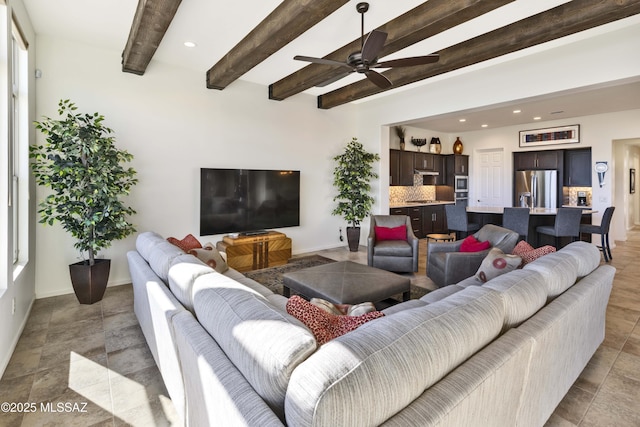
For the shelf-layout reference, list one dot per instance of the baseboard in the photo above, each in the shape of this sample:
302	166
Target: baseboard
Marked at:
7	356
67	291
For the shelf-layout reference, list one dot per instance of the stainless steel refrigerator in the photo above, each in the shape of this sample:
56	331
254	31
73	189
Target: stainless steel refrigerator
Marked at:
537	189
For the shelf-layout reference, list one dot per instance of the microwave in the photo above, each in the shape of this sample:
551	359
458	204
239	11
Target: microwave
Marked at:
461	183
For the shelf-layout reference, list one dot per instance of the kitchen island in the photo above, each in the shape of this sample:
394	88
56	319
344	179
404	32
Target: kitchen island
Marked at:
537	216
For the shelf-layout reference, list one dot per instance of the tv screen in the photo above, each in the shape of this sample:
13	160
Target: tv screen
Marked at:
248	200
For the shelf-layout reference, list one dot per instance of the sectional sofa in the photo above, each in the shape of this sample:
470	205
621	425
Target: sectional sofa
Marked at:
502	353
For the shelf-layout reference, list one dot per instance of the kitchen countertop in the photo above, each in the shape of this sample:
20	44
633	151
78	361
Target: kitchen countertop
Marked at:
409	204
534	211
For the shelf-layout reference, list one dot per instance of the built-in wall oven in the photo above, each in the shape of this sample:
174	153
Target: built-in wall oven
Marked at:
461	183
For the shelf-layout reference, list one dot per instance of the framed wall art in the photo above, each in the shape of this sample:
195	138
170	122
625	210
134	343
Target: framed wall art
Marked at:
550	136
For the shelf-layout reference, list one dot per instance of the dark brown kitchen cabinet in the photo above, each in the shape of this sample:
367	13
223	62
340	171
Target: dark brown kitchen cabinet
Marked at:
424	161
577	168
433	220
537	160
458	164
415	215
401	167
440	166
398	211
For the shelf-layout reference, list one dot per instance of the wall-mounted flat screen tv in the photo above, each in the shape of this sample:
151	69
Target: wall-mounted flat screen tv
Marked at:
248	200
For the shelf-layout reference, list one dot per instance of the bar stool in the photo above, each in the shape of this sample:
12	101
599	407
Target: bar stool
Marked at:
603	231
567	224
517	219
457	220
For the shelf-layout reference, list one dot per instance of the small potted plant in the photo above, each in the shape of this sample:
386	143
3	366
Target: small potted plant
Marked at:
81	165
351	177
400	131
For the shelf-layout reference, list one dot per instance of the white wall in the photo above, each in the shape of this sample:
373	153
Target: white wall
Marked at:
174	126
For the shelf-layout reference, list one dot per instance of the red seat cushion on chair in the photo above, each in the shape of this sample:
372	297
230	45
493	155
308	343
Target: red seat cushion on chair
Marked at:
471	244
391	233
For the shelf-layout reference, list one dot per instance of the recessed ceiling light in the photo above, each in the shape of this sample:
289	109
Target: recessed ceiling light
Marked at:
517	111
463	120
484	126
537	118
190	44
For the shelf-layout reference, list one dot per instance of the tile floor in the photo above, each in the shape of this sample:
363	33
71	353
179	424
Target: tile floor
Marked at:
74	354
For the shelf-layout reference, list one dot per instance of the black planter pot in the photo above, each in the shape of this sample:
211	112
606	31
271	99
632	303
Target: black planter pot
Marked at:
353	237
90	281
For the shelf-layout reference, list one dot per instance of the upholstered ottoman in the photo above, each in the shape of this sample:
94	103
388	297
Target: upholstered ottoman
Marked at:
346	282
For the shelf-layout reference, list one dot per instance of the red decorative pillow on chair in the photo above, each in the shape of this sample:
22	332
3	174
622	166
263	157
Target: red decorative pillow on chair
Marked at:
471	244
323	325
186	244
391	233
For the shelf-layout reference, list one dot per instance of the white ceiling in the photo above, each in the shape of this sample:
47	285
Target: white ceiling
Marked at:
216	26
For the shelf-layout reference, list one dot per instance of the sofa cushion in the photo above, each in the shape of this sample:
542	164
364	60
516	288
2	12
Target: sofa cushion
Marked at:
497	263
264	343
391	233
471	244
371	373
523	294
161	258
587	256
187	243
146	241
399	248
326	326
184	271
559	269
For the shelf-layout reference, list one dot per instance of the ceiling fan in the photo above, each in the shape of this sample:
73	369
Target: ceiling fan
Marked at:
367	57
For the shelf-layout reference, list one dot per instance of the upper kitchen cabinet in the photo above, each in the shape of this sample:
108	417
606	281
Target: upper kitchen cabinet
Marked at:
532	160
401	167
458	164
577	167
440	166
424	161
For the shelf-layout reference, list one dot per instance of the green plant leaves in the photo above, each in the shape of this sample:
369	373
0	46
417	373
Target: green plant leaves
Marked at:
351	177
81	165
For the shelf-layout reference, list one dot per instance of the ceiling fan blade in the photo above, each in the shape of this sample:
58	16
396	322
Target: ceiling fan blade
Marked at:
321	61
408	62
334	79
378	79
373	45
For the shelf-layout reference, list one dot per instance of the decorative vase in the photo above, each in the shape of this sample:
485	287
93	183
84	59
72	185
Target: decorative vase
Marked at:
402	144
353	237
434	146
457	146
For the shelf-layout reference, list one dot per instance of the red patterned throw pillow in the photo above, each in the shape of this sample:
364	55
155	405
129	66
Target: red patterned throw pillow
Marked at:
186	244
323	325
529	254
391	233
471	244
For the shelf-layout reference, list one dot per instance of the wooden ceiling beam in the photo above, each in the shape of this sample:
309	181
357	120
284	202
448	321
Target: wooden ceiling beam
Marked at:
289	20
421	22
150	23
561	21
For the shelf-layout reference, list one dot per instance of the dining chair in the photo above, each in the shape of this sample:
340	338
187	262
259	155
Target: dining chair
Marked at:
603	231
567	224
458	221
517	219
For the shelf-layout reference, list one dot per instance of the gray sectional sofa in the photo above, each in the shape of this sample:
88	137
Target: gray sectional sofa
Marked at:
502	354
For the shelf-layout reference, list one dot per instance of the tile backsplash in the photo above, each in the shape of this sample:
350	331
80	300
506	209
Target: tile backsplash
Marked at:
400	194
571	195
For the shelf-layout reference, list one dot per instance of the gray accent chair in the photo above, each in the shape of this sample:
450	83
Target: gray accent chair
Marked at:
517	219
567	224
392	255
603	231
458	221
446	265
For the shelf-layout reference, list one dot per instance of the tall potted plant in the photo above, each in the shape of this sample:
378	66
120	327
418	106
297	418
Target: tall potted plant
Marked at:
81	165
351	177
